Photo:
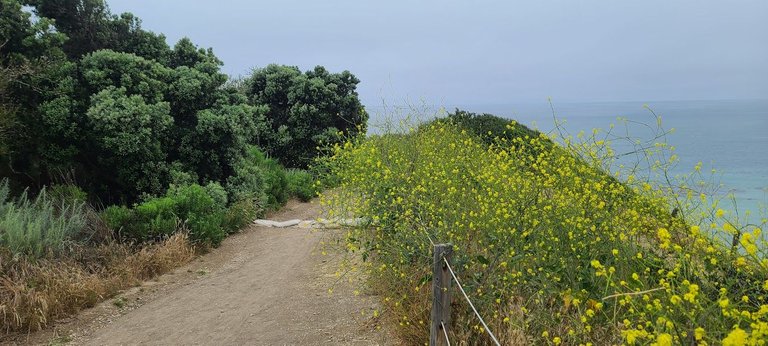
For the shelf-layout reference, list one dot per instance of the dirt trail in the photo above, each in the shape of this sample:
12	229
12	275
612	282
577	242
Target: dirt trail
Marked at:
264	286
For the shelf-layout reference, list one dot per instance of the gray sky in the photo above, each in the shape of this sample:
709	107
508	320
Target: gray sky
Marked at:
489	52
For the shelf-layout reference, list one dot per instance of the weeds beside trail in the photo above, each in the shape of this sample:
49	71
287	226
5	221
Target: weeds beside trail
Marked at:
552	248
35	292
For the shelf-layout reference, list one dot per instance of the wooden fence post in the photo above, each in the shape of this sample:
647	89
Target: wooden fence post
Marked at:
441	295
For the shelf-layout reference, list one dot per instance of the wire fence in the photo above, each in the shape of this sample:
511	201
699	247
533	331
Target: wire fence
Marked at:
464	293
441	295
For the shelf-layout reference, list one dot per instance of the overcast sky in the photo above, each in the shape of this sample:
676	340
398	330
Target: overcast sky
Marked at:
489	52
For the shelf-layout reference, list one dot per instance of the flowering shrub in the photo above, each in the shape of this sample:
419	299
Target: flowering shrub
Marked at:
552	247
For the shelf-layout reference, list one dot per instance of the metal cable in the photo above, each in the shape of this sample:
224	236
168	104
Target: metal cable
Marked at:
430	239
445	332
493	337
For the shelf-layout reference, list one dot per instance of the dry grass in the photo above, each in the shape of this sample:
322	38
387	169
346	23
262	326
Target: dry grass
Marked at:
35	292
466	327
412	315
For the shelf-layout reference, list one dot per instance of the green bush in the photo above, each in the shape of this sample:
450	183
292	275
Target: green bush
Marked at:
192	199
301	184
37	227
180	177
117	217
68	193
200	209
259	179
206	227
239	215
247	184
307	110
155	218
275	183
202	214
217	193
491	129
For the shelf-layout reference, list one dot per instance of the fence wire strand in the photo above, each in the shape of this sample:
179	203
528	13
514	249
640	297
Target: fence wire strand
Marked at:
445	332
453	274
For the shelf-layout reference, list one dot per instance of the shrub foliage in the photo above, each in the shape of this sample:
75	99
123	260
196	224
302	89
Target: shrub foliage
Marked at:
38	226
551	248
115	108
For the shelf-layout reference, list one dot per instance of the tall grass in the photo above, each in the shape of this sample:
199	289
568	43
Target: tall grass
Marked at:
552	245
39	226
51	265
34	292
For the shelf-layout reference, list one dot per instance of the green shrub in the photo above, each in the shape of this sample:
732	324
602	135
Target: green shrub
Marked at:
247	185
180	177
306	110
275	183
239	215
301	184
37	227
218	193
202	214
258	179
491	129
206	228
117	217
200	209
68	193
155	218
273	175
192	199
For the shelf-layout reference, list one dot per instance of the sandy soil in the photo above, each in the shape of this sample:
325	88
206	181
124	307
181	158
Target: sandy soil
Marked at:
264	286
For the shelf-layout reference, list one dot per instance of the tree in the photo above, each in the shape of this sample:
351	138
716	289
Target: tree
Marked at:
221	138
129	133
306	110
7	111
105	68
99	101
91	26
31	60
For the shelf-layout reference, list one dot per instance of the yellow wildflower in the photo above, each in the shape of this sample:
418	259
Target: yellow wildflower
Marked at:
719	213
664	339
736	337
698	334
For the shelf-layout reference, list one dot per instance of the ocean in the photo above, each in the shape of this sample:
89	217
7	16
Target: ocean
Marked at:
730	136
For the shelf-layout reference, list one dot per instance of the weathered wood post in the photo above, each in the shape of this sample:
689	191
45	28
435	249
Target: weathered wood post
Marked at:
441	295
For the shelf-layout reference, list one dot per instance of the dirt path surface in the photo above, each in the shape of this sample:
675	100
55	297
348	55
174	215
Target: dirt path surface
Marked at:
264	286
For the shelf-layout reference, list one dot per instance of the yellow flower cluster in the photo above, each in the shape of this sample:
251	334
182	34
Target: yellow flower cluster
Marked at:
552	247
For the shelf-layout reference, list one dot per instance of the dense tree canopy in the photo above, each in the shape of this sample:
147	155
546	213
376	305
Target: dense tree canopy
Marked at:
90	26
306	110
90	97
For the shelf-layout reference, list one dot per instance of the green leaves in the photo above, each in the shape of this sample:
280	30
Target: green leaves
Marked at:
105	68
308	110
37	226
115	107
197	209
127	125
128	133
